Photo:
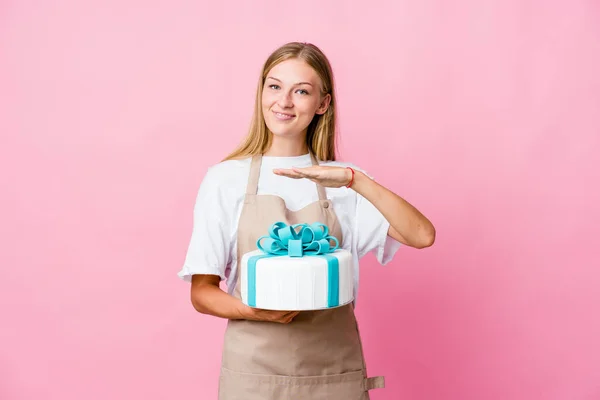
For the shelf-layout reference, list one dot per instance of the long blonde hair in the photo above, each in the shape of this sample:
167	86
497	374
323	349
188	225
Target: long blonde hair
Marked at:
320	136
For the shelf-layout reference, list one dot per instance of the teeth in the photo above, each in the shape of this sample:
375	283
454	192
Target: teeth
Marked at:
283	115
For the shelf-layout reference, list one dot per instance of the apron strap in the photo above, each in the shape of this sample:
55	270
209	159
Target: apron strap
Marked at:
375	382
320	189
252	186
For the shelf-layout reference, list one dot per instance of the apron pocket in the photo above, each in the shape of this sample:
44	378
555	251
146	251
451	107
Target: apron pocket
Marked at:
243	386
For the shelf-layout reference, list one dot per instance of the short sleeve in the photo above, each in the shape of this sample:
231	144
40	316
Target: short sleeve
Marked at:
209	247
371	230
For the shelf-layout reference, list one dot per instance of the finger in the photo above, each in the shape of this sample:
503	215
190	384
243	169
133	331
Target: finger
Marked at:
291	176
288	173
289	317
305	172
287	314
281	171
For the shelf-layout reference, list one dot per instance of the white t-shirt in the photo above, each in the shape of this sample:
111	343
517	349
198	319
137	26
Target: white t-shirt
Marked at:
213	245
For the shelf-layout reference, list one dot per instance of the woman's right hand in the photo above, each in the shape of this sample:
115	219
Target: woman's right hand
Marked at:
258	314
208	298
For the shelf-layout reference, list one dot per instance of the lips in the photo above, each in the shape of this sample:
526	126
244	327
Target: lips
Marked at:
283	116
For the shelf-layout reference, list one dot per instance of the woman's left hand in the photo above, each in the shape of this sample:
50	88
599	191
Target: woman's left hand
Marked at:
333	177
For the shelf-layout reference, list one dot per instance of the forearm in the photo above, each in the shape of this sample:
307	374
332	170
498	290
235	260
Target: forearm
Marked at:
414	228
209	299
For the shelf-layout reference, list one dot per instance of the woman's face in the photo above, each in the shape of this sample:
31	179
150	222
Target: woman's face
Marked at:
291	97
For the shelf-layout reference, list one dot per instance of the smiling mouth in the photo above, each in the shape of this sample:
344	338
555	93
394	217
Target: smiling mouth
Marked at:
283	116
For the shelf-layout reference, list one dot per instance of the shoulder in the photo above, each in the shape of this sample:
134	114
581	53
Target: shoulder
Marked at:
227	176
228	167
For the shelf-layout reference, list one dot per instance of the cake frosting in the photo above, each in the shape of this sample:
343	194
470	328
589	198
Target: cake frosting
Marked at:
297	268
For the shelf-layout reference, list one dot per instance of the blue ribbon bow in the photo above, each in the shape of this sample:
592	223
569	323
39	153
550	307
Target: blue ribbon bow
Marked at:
288	240
308	240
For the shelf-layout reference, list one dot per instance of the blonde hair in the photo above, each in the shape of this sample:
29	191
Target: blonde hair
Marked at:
320	136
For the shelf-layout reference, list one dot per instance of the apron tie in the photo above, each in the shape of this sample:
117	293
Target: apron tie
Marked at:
375	382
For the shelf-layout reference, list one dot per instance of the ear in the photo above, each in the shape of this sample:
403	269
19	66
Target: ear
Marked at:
324	104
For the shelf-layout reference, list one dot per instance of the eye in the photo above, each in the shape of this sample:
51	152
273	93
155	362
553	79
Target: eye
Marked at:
302	92
273	86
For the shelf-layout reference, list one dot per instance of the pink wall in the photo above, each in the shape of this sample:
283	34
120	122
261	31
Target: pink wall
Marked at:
484	114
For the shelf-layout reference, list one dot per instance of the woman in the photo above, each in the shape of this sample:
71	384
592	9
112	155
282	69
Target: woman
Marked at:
278	354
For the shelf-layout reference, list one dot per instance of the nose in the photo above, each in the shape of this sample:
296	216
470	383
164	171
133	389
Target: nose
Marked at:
285	100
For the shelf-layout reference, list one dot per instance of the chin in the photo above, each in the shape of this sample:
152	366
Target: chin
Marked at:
283	129
279	131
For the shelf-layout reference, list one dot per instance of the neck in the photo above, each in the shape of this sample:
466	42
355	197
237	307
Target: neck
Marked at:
287	146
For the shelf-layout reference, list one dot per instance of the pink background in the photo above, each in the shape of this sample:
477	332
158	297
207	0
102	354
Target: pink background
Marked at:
483	114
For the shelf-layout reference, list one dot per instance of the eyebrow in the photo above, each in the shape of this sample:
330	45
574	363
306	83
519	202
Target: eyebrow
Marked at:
299	83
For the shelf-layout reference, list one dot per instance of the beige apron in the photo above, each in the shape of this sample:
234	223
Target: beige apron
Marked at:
318	356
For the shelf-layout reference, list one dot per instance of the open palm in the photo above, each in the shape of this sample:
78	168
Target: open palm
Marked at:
323	175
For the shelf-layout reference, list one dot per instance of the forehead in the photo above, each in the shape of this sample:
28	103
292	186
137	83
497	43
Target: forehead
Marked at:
293	71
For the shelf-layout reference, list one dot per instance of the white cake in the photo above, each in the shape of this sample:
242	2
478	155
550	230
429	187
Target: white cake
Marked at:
310	282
